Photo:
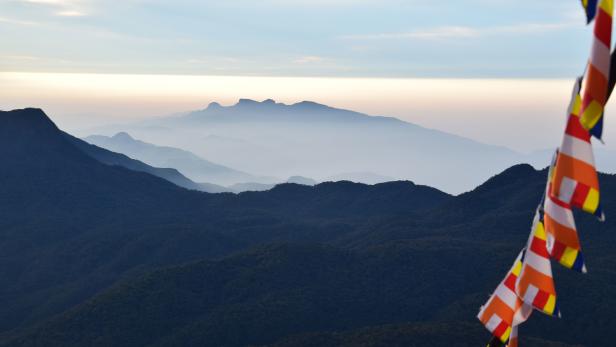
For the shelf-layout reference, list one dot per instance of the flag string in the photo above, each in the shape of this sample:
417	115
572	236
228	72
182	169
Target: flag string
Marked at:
572	182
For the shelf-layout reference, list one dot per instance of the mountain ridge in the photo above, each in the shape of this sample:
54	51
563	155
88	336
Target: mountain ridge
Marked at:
195	167
257	108
72	225
315	140
95	254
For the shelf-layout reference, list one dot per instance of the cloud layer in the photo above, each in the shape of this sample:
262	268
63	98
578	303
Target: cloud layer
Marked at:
386	38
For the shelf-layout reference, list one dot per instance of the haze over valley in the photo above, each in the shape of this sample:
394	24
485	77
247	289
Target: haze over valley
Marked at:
266	142
314	140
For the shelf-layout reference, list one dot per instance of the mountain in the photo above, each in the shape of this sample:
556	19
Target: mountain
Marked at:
402	335
214	188
99	255
71	226
302	180
250	187
315	140
257	297
118	159
253	186
360	177
261	187
198	169
276	294
247	110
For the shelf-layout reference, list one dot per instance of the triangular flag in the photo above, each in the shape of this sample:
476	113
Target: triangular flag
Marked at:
562	237
590	6
575	180
535	285
505	309
596	80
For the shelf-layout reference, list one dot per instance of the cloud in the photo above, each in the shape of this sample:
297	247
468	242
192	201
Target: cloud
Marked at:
325	3
532	28
456	32
16	21
64	8
309	59
435	33
20	57
46	2
62	3
70	13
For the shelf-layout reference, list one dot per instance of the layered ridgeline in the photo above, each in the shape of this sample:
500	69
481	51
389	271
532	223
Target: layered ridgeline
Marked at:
99	255
71	225
118	159
325	143
213	178
196	168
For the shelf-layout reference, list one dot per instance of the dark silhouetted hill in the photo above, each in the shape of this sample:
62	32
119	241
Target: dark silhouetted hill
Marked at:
99	255
404	335
71	226
264	295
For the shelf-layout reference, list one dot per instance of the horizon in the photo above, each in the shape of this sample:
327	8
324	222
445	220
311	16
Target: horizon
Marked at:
300	173
517	87
82	102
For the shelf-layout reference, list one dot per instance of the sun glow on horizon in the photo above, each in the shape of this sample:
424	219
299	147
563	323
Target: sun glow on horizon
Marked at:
496	111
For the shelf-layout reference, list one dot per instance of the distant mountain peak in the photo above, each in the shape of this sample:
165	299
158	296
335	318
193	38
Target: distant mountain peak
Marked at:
269	110
310	104
123	136
246	102
267	102
270	106
213	106
302	180
254	103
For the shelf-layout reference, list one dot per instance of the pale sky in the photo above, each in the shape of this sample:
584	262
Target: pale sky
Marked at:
497	71
382	38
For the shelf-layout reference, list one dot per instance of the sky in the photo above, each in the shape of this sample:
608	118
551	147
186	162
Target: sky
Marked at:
350	38
496	71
